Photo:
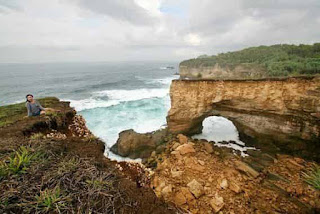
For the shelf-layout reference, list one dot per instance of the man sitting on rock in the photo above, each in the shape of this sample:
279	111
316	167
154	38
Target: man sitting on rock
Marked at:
34	108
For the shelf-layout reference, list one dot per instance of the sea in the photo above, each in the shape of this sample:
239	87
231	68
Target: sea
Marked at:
112	97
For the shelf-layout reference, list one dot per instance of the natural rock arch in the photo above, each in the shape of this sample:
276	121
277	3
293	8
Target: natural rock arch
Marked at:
283	111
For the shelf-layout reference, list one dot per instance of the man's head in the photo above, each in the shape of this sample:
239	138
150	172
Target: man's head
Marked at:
29	97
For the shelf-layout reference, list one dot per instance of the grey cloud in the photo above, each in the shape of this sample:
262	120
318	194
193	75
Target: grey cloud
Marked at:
124	10
279	19
9	4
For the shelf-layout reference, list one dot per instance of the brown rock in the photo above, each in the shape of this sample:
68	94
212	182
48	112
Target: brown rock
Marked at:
208	147
179	198
182	138
246	169
217	203
224	184
201	162
185	149
176	174
187	194
236	100
134	145
166	190
195	188
175	145
234	187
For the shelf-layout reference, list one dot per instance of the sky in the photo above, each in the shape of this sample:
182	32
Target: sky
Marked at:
34	31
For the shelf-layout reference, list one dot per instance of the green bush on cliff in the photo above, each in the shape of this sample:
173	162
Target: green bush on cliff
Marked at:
278	60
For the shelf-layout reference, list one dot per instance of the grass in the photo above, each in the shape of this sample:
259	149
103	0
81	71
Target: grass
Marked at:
37	136
11	113
51	199
68	165
99	183
312	176
18	162
91	138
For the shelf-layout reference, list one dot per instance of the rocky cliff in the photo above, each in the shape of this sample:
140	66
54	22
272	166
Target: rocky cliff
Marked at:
53	164
281	112
241	71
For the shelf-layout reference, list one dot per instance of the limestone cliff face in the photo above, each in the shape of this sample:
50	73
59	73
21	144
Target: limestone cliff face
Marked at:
280	111
241	71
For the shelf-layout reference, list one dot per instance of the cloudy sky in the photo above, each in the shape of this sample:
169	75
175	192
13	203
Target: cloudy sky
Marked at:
138	30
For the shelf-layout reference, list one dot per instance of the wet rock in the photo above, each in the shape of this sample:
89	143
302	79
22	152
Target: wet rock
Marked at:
185	149
216	203
241	166
196	188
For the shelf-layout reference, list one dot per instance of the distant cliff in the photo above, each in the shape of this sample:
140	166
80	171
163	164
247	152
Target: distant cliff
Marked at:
255	62
285	112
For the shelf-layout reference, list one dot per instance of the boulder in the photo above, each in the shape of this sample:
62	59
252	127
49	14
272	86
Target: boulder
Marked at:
217	203
246	169
135	145
166	190
187	194
179	198
234	187
224	184
196	188
182	138
185	149
208	147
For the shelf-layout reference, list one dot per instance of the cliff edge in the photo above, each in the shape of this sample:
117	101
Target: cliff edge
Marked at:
53	164
283	112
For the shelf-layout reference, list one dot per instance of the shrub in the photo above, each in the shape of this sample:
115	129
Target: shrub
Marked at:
18	162
312	176
51	199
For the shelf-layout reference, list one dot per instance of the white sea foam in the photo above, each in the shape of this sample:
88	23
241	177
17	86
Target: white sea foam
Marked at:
220	129
130	95
115	97
91	103
162	81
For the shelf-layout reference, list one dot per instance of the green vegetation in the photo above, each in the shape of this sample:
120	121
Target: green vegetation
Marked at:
91	138
19	162
277	60
37	136
312	176
51	199
11	113
99	183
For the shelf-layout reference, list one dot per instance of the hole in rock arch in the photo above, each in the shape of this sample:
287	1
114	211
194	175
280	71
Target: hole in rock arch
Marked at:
223	132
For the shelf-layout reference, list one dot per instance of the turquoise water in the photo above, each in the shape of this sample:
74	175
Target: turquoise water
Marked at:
112	97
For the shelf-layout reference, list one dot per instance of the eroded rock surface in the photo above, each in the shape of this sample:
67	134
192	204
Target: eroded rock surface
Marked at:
219	181
285	112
